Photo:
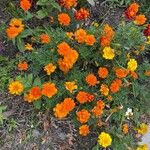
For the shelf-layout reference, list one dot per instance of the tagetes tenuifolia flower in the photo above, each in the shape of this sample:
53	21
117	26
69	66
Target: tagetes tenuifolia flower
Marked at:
147	73
22	66
90	39
81	14
63	49
49	68
132	10
80	35
147	30
15	28
98	108
104	139
15	87
84	97
108	53
102	72
142	129
91	79
125	128
71	86
132	64
61	110
64	19
140	19
104	89
44	38
49	89
142	147
84	130
121	72
83	116
28	47
133	74
25	4
68	3
115	85
70	35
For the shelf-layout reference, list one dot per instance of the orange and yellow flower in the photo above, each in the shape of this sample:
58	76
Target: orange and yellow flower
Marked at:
25	4
22	66
91	79
84	130
28	47
140	19
44	38
81	14
90	40
104	89
80	35
83	116
68	3
102	72
71	86
49	68
64	19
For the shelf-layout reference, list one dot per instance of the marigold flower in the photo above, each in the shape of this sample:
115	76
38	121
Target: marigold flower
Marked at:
44	38
25	4
84	97
104	139
91	79
125	128
49	89
70	35
143	128
28	47
68	3
71	86
84	130
22	66
83	116
132	10
49	68
35	93
63	49
64	19
147	73
62	109
105	41
108	31
142	147
12	32
147	30
104	90
109	97
115	85
90	40
132	64
15	87
80	35
108	53
133	74
121	72
81	14
140	19
102	72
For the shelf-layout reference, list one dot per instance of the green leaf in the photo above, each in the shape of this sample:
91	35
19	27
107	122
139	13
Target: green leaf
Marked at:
20	44
42	2
41	14
37	82
25	33
56	5
96	147
37	104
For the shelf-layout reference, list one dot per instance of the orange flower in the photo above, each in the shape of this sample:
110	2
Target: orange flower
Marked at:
115	85
84	97
104	90
68	3
63	49
71	86
133	74
45	39
109	97
23	66
25	4
140	19
121	72
80	35
83	116
102	72
49	89
64	19
84	130
125	128
62	109
108	31
98	109
81	14
49	68
15	28
105	41
28	47
147	73
132	10
70	35
90	39
91	79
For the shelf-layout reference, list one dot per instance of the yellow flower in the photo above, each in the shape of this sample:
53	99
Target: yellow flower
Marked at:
143	128
50	68
70	35
104	139
71	86
15	87
28	47
104	90
148	40
132	64
108	53
142	147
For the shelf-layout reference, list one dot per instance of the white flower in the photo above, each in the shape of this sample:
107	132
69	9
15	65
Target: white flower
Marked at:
129	113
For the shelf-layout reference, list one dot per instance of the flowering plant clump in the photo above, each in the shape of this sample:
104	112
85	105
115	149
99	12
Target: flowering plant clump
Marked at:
92	75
